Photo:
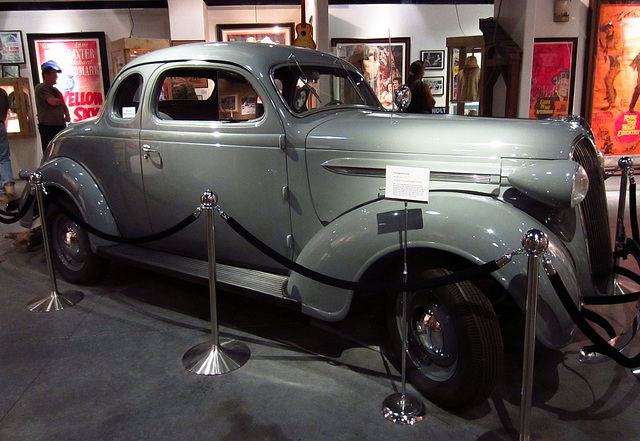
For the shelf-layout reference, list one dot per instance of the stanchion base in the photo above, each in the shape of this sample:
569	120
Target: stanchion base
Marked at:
403	409
55	301
210	359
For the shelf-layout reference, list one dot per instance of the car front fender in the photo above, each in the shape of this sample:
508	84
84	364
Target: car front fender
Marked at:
77	183
476	228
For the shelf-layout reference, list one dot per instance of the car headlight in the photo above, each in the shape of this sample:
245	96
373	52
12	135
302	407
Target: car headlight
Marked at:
557	183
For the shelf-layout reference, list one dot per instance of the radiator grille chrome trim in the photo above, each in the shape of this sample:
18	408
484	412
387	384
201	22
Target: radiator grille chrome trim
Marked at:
594	215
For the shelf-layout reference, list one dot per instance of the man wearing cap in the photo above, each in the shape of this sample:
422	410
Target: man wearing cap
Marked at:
53	113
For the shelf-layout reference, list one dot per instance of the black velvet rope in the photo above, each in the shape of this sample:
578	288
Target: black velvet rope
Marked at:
459	276
128	240
633	212
599	320
15	217
617	299
599	344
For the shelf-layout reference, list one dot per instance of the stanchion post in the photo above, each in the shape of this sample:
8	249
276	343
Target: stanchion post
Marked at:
214	357
535	243
403	408
625	164
55	301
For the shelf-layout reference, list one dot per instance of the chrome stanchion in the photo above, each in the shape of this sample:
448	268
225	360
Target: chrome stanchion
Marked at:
535	243
214	357
403	408
55	301
625	164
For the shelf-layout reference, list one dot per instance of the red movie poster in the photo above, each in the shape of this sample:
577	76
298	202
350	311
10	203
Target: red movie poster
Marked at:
81	81
551	79
615	107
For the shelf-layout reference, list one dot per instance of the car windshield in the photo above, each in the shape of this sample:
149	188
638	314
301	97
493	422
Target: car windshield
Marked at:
309	88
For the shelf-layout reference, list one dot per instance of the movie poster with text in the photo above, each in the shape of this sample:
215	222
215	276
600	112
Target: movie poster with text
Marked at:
81	81
615	107
551	79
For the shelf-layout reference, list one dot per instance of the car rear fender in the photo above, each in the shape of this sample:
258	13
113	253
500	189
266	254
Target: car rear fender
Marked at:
475	228
78	184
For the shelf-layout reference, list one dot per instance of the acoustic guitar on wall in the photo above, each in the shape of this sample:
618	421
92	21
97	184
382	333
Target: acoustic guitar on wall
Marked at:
304	32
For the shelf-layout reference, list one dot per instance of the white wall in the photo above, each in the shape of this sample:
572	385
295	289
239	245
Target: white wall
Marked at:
116	24
526	20
428	26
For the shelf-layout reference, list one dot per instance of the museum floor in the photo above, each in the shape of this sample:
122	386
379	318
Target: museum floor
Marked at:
110	368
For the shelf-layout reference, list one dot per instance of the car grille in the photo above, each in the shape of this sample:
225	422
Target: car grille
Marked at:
594	215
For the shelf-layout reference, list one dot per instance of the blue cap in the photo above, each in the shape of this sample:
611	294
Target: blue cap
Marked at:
49	66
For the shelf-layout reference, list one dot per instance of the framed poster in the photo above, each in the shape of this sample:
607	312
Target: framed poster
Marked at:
11	47
281	33
10	71
82	57
436	84
384	62
613	78
552	77
433	60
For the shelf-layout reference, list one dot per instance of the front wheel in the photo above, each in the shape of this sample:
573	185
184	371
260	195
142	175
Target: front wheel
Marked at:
454	345
71	252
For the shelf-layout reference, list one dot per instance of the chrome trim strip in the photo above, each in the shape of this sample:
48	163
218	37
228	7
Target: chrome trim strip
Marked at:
470	178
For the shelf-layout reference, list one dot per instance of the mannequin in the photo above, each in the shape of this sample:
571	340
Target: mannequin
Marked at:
468	80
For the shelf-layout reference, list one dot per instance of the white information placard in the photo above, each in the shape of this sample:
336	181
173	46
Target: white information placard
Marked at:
407	183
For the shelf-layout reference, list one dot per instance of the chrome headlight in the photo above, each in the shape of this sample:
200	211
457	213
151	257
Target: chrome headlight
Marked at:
557	183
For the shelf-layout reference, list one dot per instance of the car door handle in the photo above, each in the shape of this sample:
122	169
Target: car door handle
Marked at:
147	149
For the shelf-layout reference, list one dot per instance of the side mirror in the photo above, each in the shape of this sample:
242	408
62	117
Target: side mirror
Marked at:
402	98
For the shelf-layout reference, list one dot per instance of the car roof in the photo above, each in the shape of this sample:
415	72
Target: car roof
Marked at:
255	56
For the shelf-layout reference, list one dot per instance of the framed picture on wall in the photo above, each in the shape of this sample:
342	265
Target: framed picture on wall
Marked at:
552	77
433	60
436	84
281	33
82	57
11	47
10	71
612	78
384	62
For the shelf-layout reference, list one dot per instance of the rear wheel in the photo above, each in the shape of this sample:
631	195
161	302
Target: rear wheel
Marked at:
454	345
71	252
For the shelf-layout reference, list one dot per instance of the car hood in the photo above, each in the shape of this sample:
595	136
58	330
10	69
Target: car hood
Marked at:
445	135
347	153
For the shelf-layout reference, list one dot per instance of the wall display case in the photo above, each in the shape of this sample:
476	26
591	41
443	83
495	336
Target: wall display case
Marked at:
20	122
464	55
126	49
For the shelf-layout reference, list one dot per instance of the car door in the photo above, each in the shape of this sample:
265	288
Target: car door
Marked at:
206	128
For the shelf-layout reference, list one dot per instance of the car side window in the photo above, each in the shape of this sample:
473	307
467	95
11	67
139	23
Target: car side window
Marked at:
196	94
127	97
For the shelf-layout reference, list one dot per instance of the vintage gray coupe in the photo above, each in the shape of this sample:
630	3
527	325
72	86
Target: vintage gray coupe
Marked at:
295	144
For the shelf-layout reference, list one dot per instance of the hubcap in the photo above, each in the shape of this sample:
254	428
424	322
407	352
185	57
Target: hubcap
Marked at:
429	332
432	344
71	242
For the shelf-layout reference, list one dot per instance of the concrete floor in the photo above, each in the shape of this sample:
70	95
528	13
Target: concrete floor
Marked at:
110	368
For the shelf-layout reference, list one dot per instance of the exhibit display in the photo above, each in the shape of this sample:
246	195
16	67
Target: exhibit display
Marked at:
295	144
20	119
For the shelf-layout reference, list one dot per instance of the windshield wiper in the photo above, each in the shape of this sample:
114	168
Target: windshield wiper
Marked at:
303	77
355	86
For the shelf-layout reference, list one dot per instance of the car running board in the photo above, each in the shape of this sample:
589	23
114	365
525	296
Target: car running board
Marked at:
197	271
